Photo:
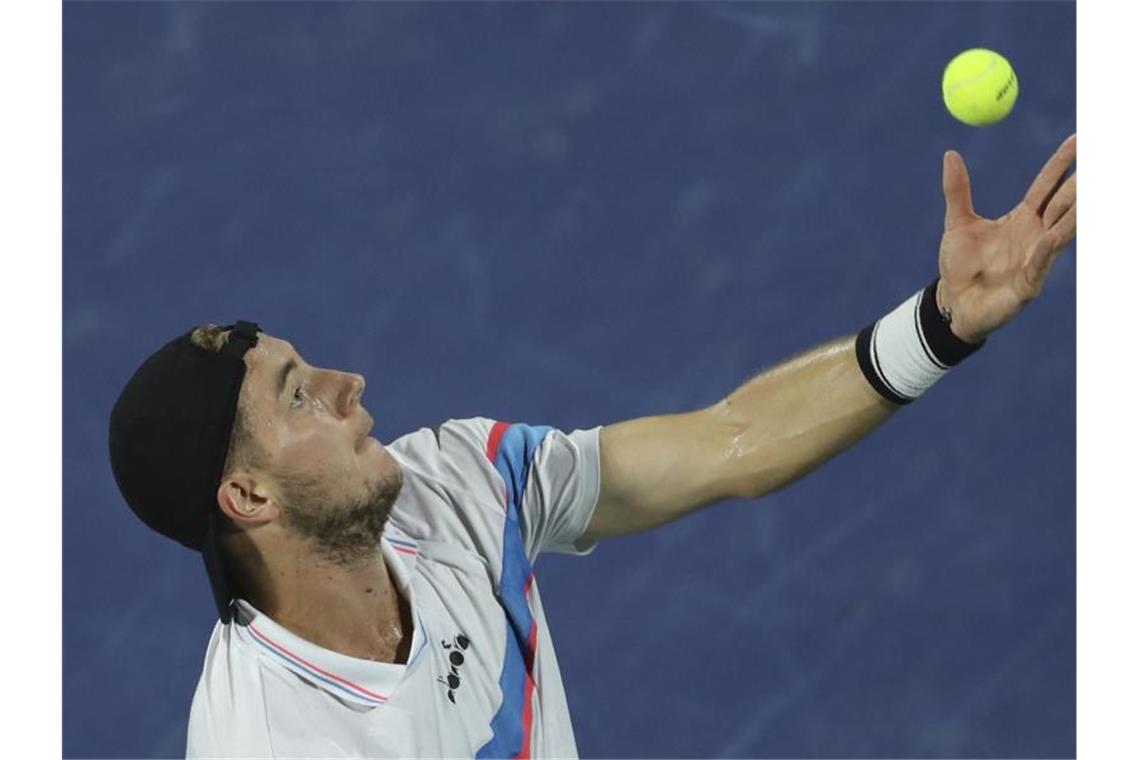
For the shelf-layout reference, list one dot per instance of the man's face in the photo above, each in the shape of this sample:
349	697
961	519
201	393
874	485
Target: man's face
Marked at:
334	482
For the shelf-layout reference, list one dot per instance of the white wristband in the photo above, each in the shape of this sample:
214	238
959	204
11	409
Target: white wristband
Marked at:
910	349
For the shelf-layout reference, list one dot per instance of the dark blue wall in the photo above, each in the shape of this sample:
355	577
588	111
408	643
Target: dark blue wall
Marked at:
575	214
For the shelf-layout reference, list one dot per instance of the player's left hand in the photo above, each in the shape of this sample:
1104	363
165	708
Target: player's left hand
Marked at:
991	268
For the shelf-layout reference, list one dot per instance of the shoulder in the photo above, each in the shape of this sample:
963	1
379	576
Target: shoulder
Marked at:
448	464
452	456
484	454
453	436
482	441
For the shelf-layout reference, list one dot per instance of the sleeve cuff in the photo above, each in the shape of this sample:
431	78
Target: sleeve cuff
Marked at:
587	442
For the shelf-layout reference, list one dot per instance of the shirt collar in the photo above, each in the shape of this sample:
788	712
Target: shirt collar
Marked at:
361	681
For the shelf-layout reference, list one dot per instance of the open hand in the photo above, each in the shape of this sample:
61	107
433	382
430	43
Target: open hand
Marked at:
991	268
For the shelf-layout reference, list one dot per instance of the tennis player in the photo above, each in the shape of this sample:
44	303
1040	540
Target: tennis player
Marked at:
380	600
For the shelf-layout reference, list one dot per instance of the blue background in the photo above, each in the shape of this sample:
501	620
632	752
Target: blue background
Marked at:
575	214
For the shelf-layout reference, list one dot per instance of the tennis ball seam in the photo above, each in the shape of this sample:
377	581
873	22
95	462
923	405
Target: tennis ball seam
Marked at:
994	61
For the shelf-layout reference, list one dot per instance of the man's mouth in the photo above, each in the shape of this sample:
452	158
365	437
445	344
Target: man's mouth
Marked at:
367	429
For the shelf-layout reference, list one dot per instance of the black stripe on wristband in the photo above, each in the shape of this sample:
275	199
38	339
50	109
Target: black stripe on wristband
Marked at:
870	366
922	338
948	349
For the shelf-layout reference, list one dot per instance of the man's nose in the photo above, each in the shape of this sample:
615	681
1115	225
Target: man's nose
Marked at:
354	389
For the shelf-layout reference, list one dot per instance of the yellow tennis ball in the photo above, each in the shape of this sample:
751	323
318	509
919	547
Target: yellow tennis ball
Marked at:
979	87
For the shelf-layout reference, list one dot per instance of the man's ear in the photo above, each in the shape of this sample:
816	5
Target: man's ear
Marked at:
243	500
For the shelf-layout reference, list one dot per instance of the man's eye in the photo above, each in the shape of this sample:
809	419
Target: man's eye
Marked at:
297	398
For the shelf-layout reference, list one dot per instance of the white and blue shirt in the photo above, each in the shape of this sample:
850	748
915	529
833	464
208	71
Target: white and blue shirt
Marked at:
480	501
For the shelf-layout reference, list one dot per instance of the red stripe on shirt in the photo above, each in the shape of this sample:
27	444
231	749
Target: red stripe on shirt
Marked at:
322	671
528	694
495	438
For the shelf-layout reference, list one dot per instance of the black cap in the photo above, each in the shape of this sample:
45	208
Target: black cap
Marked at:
169	434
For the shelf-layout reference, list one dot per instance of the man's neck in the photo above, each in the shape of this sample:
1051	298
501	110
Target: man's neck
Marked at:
353	610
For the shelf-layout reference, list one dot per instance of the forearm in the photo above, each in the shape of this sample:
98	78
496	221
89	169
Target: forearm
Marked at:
770	431
792	418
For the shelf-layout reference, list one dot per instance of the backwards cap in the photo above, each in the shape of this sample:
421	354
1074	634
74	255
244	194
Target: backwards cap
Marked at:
169	434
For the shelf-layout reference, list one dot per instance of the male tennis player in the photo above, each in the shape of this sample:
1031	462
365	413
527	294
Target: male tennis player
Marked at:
380	600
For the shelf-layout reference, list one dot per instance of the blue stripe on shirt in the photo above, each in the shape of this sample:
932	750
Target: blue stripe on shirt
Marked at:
516	453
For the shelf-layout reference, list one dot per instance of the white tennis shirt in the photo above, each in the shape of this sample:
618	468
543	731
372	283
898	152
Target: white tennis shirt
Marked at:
480	501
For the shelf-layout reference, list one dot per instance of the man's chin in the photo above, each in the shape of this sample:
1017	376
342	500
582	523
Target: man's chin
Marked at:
391	483
347	532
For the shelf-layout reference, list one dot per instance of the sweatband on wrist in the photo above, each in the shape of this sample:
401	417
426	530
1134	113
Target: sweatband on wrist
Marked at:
910	349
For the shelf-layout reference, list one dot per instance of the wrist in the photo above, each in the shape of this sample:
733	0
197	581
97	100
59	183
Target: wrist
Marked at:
911	348
948	317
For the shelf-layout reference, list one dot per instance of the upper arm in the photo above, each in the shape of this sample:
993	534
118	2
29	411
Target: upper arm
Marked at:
505	485
547	481
657	469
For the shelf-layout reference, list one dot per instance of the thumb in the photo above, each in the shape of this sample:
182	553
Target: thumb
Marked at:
956	188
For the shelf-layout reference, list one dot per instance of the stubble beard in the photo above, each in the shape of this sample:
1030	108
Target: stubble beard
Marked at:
344	534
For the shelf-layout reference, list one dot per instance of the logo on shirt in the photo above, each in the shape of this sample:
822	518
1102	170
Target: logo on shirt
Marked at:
455	658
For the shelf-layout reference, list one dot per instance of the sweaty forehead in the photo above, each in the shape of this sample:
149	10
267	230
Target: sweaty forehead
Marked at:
264	361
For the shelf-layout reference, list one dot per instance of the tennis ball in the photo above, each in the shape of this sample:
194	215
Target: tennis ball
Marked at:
979	87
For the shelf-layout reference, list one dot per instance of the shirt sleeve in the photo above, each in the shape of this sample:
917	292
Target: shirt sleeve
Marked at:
549	481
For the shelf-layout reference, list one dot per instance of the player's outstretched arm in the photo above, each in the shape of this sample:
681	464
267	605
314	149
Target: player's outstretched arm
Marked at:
789	420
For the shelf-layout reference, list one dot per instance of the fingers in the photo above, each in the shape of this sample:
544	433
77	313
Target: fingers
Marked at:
1064	199
1040	262
956	188
1048	247
1066	227
1054	198
1051	175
